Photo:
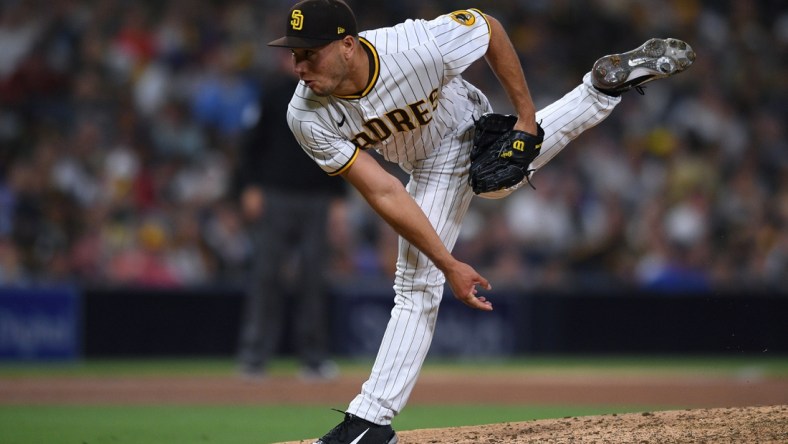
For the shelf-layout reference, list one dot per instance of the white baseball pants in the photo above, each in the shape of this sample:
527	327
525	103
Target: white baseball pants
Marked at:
439	184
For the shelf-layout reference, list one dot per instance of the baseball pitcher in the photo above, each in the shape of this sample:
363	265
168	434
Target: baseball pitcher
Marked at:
399	91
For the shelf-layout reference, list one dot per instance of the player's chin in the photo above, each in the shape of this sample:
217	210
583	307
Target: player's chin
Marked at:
317	90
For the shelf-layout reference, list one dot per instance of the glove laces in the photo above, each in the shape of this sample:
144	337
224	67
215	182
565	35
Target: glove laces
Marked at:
528	178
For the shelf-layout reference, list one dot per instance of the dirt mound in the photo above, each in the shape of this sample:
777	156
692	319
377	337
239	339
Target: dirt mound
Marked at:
751	424
767	424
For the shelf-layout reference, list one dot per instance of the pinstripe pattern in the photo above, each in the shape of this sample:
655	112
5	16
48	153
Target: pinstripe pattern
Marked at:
582	108
420	63
416	58
439	185
563	120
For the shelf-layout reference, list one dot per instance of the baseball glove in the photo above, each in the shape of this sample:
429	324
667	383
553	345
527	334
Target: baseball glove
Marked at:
501	155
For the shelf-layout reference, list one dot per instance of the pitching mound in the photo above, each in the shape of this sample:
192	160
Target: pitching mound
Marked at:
748	424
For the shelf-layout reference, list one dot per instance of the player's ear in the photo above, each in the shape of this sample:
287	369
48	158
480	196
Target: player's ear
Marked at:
348	44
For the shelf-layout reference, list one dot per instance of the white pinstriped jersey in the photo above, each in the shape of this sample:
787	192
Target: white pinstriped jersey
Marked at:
415	111
413	100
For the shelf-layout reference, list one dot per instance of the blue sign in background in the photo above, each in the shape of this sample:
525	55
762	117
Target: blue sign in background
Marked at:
39	323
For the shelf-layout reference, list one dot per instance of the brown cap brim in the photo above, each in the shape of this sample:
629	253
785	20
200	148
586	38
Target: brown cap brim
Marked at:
299	42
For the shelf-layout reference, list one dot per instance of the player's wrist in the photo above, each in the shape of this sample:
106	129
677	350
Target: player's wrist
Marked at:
445	262
526	124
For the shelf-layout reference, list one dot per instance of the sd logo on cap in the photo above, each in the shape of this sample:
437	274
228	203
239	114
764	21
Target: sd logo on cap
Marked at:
313	23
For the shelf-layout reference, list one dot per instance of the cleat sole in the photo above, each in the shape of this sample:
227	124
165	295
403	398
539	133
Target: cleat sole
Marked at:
654	59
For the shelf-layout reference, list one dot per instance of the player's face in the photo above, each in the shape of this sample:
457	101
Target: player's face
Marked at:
321	69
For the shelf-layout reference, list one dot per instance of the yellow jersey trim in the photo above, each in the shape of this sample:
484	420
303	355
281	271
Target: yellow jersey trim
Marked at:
375	73
489	28
347	165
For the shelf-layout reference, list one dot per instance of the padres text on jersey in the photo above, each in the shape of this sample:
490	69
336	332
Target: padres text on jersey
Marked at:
399	113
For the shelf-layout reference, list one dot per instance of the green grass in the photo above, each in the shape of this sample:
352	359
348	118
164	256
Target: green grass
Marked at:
233	425
156	424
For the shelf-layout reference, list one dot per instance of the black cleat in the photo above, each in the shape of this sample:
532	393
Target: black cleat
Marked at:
354	430
655	59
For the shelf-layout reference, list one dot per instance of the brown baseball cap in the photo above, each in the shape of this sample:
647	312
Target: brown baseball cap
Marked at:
313	23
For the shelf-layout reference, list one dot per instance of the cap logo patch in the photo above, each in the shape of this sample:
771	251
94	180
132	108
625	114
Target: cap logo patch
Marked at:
297	20
340	30
463	17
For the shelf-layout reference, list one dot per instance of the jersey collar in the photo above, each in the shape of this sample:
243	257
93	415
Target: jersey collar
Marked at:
374	70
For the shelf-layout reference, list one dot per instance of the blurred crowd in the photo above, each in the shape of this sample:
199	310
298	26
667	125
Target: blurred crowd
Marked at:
120	123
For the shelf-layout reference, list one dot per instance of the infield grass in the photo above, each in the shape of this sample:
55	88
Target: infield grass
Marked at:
234	425
259	424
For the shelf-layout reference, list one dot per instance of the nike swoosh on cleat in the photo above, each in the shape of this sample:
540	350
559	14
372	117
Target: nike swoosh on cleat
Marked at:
342	122
637	61
358	438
